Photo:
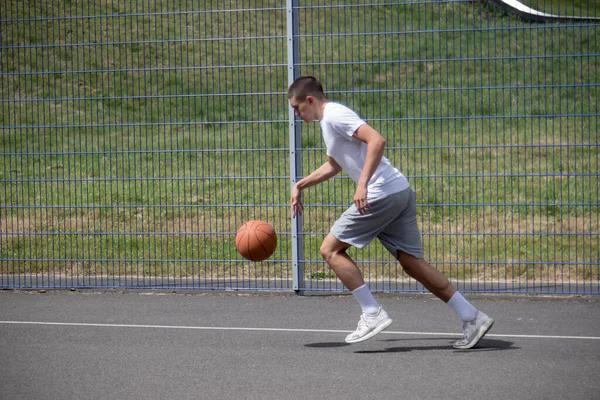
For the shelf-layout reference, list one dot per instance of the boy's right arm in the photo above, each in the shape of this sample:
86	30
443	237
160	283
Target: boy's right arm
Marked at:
321	174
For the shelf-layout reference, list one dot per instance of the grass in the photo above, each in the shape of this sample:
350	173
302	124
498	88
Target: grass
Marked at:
138	143
577	8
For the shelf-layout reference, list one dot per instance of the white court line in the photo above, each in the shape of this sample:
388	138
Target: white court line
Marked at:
232	328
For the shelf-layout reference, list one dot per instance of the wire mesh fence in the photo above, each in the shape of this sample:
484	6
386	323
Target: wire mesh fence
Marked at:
137	138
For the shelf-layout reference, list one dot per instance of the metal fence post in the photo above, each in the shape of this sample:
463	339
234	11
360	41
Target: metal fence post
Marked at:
295	142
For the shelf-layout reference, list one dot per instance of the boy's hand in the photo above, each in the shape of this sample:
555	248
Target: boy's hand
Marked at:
360	199
296	202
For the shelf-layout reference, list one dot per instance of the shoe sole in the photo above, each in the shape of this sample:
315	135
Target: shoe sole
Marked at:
480	334
374	332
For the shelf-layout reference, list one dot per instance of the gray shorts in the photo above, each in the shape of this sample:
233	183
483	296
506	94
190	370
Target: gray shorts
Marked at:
391	219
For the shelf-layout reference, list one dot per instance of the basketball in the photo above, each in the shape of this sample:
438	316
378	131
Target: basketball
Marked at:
256	240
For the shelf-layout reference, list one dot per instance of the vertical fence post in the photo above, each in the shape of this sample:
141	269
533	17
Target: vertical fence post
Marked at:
295	142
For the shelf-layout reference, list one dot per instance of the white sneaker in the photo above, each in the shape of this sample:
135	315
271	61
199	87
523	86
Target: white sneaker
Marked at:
369	326
474	330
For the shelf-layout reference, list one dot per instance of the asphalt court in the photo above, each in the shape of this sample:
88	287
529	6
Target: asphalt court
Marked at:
207	345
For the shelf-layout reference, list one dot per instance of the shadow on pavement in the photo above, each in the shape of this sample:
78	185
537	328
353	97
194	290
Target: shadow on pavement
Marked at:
483	345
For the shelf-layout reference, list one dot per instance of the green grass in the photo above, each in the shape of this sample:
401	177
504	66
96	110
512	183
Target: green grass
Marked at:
490	118
577	8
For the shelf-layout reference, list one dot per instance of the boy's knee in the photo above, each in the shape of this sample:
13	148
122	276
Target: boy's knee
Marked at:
325	252
332	247
408	262
408	268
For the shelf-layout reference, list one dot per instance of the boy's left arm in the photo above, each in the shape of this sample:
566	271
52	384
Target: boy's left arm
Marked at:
375	146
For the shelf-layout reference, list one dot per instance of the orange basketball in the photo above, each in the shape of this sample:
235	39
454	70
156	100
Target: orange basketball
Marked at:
256	240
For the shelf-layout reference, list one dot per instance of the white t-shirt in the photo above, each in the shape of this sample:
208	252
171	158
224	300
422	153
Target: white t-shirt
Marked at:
339	123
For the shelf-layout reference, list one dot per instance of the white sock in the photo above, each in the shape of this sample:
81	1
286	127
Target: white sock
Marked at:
462	307
366	300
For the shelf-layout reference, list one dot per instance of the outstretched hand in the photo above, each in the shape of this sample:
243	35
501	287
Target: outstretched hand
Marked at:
296	202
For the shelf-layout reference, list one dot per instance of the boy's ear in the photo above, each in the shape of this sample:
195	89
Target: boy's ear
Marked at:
310	99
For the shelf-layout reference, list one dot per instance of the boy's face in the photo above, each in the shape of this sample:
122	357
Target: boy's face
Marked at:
304	109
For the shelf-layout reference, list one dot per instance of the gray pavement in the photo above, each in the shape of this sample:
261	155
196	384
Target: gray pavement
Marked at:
218	345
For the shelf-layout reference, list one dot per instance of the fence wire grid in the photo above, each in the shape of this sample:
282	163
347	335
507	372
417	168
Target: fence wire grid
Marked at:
137	137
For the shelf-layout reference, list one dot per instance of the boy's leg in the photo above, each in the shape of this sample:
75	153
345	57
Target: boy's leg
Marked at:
430	277
334	252
374	319
475	323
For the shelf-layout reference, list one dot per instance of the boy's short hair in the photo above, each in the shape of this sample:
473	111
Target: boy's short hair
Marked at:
305	86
